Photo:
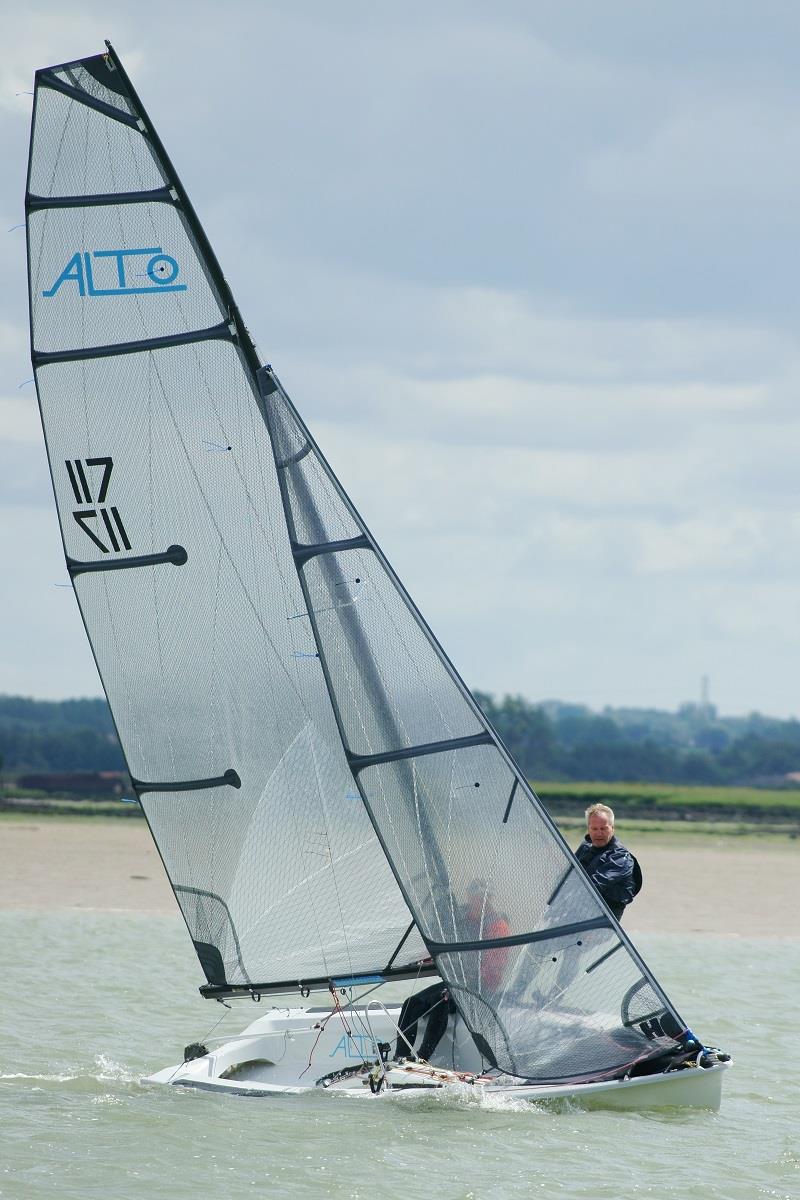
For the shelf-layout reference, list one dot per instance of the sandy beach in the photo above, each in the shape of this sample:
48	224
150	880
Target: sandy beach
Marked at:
706	884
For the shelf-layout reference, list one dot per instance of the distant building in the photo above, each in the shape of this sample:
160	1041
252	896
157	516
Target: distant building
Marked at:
77	783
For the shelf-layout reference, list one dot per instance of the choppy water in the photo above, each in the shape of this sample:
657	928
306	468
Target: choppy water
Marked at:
92	1002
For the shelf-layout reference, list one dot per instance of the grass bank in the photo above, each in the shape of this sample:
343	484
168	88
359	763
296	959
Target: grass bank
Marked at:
668	803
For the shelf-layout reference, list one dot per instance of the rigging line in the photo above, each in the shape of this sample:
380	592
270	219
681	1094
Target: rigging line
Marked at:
369	991
337	1008
213	1027
414	986
358	1020
321	1026
395	1024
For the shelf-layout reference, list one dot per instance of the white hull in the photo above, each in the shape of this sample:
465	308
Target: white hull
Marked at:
271	1057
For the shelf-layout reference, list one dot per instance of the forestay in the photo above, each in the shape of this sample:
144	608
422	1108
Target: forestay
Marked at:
271	681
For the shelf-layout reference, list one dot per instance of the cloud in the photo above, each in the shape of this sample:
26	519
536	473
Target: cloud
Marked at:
528	273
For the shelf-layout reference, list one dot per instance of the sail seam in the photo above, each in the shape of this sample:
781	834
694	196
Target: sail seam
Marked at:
45	79
521	939
358	762
44	358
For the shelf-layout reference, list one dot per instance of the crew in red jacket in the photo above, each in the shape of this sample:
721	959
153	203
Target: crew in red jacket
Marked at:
486	924
480	921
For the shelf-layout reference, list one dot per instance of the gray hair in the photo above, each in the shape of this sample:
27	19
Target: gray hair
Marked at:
600	808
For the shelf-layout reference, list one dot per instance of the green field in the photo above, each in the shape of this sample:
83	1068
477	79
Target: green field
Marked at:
724	809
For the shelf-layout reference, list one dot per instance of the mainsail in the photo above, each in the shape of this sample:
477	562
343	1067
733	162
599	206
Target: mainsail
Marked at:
328	799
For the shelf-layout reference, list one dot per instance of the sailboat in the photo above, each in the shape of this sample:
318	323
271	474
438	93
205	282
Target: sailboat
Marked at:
332	808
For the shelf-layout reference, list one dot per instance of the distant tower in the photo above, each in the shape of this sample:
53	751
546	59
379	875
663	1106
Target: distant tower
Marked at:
705	703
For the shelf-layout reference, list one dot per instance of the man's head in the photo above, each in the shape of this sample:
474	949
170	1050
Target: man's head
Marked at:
600	824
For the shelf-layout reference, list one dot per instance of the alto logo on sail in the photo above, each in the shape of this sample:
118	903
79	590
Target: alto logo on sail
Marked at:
120	273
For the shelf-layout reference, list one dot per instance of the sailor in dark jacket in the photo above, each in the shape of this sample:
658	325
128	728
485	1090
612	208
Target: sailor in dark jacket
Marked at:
611	867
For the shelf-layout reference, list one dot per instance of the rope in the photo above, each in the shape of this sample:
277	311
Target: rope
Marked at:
337	1008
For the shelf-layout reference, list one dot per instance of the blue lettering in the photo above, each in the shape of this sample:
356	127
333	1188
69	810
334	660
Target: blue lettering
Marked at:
119	255
73	270
161	271
354	1045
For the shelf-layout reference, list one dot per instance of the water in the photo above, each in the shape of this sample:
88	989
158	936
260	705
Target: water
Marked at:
91	1002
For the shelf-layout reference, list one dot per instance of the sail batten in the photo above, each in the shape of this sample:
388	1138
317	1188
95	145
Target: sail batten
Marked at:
229	778
221	332
161	195
48	80
176	555
523	939
360	762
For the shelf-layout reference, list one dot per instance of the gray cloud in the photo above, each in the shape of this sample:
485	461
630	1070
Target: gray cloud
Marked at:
530	273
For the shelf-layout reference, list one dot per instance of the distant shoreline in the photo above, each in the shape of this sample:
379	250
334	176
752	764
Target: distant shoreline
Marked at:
712	884
566	809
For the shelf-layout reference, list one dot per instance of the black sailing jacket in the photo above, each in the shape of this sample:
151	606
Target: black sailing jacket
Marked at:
611	869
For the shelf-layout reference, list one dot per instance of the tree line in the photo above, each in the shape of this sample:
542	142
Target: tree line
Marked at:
551	740
557	741
57	735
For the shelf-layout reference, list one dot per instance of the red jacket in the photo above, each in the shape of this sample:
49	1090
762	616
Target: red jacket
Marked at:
493	962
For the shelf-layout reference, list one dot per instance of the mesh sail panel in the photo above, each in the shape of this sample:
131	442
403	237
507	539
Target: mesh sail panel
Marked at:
537	967
174	530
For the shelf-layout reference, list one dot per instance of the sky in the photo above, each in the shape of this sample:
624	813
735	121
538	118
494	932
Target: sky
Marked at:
529	271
